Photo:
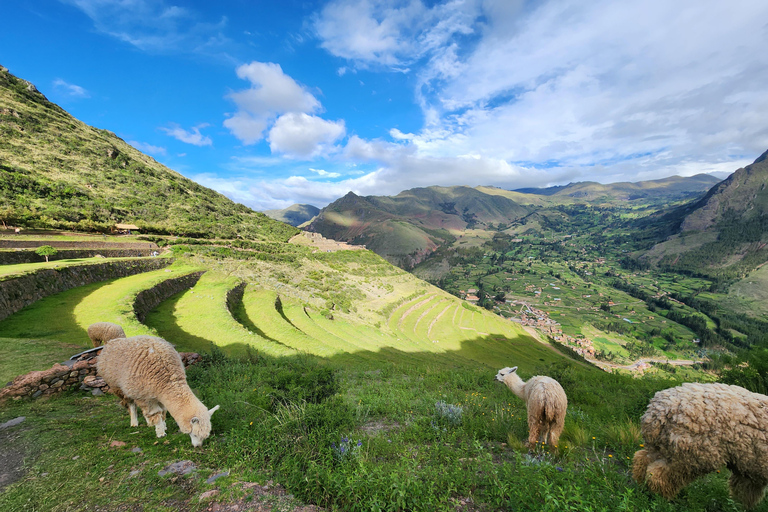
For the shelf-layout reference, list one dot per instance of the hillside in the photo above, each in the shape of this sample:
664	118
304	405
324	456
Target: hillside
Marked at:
724	234
407	227
295	215
57	172
672	188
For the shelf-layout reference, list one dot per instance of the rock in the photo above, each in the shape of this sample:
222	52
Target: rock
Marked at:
116	444
183	467
94	382
13	422
208	494
215	477
136	449
134	472
96	392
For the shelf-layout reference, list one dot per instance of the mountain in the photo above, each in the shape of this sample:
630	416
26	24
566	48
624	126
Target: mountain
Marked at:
295	215
57	172
725	233
666	189
407	227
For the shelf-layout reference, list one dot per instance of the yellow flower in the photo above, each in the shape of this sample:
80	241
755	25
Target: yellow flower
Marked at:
251	423
593	437
611	456
642	445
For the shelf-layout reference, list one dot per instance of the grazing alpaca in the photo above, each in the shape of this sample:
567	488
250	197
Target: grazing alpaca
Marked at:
695	429
102	332
148	372
546	403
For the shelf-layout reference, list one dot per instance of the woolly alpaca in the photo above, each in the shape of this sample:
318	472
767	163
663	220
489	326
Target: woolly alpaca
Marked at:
146	371
694	429
102	332
546	403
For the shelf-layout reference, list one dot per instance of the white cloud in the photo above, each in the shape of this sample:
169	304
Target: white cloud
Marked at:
271	94
155	26
72	90
603	90
147	148
192	136
300	135
324	173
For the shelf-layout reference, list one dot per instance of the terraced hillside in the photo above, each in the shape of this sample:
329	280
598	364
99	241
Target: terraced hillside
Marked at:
341	305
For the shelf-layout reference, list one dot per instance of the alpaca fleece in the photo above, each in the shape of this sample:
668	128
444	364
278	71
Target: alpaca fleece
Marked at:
546	403
146	371
694	429
102	332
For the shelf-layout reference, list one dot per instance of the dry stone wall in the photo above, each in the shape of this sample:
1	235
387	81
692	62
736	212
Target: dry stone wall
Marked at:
19	292
147	300
72	374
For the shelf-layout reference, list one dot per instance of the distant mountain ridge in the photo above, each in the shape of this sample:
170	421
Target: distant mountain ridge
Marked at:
676	187
295	215
406	228
57	172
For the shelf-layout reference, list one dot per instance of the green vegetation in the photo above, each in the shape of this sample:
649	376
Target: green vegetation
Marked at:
56	172
46	251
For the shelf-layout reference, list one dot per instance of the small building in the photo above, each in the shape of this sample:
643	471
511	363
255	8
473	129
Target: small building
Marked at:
125	228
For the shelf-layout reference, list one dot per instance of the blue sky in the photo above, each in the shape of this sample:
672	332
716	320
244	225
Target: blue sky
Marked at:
275	103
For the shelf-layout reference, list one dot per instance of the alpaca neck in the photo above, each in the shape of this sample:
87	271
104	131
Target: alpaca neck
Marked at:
515	384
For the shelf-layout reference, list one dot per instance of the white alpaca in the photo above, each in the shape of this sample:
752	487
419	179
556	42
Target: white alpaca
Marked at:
102	332
546	403
146	371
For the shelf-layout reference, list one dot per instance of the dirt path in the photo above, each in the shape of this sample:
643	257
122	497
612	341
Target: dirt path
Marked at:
13	451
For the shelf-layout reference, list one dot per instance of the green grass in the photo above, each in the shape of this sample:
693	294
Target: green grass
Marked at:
281	417
67	315
20	356
7	271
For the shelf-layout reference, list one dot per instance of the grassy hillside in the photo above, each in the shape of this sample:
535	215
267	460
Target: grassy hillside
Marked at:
723	235
295	215
57	172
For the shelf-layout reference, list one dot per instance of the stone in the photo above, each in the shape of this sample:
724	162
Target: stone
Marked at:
116	444
43	387
183	467
13	422
57	384
37	394
136	449
94	382
209	494
96	392
215	477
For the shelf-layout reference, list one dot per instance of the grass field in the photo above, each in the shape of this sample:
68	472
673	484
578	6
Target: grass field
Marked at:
299	377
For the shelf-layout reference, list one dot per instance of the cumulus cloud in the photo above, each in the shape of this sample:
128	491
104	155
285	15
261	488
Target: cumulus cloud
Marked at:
72	90
284	110
300	135
192	136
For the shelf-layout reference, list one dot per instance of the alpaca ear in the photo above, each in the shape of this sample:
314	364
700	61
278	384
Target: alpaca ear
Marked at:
213	410
513	369
195	420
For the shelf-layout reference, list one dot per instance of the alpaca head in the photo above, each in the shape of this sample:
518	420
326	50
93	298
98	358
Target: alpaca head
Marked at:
504	372
200	425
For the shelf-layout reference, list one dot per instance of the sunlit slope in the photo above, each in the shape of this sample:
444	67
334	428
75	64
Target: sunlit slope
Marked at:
65	316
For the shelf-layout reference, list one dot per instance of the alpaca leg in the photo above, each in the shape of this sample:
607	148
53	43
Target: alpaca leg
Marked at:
534	432
748	491
640	464
668	478
134	416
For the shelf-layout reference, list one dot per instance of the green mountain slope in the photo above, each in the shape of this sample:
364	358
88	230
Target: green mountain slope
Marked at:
57	172
295	215
666	189
725	233
407	227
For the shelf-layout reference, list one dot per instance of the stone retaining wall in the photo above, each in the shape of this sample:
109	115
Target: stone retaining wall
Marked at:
29	256
235	297
84	245
68	375
19	292
147	300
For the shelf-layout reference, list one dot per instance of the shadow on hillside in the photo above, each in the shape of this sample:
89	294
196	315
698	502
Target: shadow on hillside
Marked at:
51	318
